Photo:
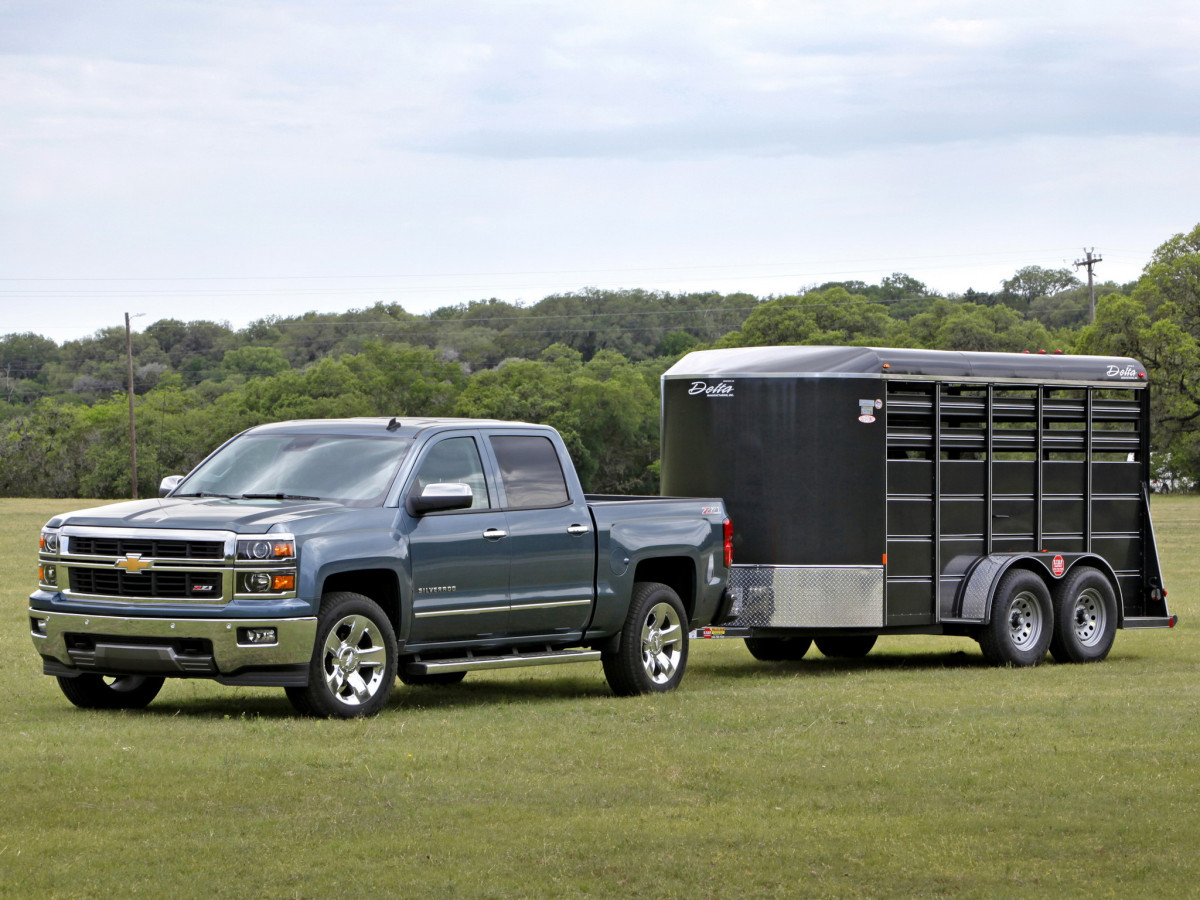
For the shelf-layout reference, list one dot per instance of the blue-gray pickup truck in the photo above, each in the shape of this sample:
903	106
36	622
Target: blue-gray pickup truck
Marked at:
330	557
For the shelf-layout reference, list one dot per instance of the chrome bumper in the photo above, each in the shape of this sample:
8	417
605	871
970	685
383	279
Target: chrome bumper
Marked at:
180	647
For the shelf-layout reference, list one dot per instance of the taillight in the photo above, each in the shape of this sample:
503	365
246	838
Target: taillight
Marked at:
728	543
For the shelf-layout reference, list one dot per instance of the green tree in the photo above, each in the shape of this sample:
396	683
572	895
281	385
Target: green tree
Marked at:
1032	282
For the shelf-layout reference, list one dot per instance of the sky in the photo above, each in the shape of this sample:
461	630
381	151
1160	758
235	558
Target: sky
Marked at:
231	159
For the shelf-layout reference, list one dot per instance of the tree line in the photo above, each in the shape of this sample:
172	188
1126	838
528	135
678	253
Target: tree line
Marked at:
586	362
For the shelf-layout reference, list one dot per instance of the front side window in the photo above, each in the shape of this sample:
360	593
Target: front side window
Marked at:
456	461
352	469
530	470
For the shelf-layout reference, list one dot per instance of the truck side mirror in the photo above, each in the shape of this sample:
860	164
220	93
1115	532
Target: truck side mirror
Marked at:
169	484
441	496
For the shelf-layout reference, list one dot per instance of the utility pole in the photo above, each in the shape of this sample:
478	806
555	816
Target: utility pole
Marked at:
1090	261
132	434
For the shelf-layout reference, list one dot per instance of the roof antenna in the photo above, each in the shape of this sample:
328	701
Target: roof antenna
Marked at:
394	424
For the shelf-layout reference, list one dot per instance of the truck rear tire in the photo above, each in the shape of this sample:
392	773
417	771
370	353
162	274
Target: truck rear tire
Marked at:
654	643
1085	617
778	649
846	646
353	666
1022	621
111	691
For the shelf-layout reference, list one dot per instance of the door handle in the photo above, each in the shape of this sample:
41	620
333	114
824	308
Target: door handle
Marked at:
578	529
495	534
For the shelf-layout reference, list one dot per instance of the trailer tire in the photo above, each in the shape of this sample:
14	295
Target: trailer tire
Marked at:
778	649
1022	621
1085	617
654	643
846	646
120	692
353	667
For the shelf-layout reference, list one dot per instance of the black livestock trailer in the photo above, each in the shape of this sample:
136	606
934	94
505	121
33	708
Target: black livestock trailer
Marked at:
1000	496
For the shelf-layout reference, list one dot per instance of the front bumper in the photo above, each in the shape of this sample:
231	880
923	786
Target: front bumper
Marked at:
72	644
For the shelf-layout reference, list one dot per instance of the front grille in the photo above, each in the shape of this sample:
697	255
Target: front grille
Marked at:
147	548
162	583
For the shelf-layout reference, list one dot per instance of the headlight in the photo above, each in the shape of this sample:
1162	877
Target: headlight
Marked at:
266	549
266	582
49	542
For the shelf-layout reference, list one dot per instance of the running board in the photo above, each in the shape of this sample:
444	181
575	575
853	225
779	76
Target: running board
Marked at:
507	661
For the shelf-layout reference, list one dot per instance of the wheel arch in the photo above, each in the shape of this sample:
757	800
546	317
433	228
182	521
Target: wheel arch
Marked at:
977	591
379	585
676	572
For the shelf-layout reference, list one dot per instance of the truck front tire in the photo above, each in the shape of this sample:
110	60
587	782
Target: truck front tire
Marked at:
1085	617
353	666
1022	621
110	691
654	643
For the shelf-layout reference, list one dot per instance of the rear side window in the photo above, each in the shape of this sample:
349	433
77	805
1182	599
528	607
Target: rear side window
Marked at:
530	471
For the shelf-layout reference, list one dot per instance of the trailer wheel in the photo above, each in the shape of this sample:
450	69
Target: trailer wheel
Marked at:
110	691
846	646
1085	617
353	666
1022	621
654	643
778	649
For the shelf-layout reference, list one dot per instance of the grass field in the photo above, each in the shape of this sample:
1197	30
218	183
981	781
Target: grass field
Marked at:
918	771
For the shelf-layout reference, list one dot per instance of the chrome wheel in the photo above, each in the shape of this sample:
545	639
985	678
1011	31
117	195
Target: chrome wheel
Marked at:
652	655
354	660
1025	621
1089	618
662	643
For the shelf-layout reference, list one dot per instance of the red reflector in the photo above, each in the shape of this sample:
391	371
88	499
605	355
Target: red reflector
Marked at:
728	526
1174	619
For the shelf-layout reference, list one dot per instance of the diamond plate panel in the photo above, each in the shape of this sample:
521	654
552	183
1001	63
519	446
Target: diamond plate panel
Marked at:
807	596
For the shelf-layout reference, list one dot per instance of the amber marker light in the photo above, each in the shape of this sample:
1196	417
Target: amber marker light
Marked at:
283	583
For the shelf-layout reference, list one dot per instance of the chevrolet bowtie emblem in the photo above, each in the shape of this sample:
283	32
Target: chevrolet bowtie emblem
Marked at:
132	563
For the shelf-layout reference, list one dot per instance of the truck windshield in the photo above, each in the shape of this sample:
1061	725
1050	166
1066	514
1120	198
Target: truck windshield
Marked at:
352	469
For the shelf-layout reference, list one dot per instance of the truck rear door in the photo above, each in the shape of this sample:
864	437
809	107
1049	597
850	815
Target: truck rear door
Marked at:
550	536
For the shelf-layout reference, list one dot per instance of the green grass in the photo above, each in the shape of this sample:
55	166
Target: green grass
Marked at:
918	771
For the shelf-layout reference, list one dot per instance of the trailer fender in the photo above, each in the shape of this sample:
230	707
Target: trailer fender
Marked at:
977	590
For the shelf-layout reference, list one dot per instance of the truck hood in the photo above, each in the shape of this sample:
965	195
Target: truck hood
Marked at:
202	514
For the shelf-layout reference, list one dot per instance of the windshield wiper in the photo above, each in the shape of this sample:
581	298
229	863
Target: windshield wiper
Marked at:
207	494
278	497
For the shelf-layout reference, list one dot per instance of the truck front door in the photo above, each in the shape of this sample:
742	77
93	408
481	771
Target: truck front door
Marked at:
460	559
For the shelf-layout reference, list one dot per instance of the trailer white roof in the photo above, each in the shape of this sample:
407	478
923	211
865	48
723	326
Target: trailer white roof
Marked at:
835	361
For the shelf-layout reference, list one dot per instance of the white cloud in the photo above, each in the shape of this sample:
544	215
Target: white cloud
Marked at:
612	142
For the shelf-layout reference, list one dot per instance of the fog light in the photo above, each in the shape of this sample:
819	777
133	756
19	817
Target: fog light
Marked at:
38	626
258	636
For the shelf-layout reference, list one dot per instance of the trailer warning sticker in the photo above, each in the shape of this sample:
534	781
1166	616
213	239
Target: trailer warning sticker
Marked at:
1058	566
866	410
